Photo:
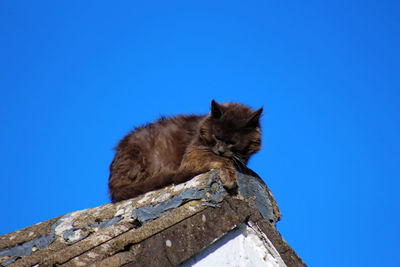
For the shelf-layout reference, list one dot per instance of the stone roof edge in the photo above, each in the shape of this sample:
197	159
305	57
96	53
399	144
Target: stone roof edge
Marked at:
102	232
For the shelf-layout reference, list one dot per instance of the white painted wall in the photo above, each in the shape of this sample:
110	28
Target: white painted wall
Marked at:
244	246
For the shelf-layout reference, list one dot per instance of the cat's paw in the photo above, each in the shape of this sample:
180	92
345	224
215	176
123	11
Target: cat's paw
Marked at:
228	177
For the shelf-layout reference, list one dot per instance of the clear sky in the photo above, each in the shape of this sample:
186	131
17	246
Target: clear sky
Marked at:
76	76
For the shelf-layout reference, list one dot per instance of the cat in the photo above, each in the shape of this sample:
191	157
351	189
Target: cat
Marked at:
173	150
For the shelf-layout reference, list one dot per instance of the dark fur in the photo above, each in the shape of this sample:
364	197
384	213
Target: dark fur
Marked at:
173	150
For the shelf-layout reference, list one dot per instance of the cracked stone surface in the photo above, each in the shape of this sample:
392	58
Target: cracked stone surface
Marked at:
169	225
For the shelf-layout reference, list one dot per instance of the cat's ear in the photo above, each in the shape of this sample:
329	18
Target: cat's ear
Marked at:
255	118
216	109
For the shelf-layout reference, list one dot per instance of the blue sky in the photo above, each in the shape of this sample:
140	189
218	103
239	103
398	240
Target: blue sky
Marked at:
76	76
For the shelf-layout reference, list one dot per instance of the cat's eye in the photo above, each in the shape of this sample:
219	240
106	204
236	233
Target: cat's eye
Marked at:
217	137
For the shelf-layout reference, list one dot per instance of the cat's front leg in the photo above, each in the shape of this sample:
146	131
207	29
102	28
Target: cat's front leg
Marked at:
227	171
200	161
228	176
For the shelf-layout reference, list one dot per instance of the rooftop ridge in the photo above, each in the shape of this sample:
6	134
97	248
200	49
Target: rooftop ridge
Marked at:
114	234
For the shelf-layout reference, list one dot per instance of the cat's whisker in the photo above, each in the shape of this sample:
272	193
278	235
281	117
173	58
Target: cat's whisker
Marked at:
238	159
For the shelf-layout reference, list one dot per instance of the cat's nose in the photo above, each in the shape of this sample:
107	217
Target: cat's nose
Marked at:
221	150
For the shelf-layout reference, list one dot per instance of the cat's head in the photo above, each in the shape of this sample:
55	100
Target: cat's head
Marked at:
232	130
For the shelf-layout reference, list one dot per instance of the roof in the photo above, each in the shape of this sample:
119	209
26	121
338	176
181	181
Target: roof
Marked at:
182	224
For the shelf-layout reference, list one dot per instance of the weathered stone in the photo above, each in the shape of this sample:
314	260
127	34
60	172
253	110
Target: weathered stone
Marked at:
161	228
251	185
118	259
26	234
128	238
